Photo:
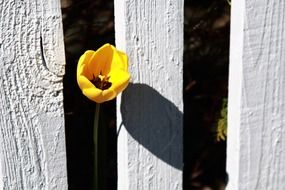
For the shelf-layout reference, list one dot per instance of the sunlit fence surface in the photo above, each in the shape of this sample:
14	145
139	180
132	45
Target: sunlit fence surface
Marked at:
179	62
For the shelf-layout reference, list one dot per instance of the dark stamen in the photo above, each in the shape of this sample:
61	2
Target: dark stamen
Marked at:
102	84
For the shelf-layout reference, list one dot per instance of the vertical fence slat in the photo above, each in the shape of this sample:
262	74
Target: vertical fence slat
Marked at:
32	140
150	110
256	143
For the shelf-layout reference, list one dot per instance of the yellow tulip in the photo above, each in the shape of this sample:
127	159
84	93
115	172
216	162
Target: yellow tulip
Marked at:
103	74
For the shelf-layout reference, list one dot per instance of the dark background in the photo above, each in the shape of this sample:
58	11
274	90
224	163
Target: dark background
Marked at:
88	24
206	62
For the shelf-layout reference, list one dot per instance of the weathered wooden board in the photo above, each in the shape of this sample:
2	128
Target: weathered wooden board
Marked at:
150	111
32	140
256	143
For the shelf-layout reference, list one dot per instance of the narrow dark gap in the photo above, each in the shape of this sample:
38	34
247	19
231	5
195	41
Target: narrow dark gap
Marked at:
206	64
87	25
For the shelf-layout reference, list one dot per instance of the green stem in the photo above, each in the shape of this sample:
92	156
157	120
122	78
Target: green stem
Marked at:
95	138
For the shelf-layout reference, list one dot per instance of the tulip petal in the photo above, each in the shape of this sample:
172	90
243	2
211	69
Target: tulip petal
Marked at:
82	67
92	93
101	60
124	58
119	80
108	62
109	94
98	95
119	61
84	83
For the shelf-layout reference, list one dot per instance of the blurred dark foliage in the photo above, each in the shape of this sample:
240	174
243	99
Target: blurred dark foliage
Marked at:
90	24
206	61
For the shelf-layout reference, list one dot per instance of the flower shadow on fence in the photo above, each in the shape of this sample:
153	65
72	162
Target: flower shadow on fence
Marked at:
154	122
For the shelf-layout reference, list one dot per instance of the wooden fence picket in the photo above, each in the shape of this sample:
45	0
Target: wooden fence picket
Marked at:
150	111
32	139
256	143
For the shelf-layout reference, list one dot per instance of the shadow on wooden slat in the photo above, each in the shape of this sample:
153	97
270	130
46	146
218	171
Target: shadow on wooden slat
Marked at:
154	122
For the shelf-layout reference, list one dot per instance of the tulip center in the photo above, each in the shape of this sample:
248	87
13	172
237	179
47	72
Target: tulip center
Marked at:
101	81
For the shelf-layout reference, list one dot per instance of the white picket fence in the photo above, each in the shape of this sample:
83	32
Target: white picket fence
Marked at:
150	111
256	134
32	140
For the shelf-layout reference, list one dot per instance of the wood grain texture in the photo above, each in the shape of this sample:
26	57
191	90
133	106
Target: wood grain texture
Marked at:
32	140
150	111
256	143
